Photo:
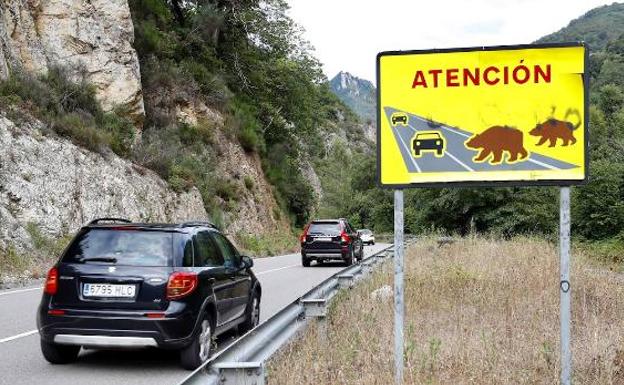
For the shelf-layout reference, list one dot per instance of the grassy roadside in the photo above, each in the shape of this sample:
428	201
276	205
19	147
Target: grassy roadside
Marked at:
478	311
267	245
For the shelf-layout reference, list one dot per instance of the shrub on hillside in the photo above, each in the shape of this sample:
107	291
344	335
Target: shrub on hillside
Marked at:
70	109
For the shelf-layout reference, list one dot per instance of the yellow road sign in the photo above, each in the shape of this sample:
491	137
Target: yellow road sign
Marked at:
514	115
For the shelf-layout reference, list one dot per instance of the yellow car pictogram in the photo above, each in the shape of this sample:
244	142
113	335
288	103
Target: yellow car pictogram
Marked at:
399	117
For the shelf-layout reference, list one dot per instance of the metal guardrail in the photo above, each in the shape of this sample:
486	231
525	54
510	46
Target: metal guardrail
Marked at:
243	361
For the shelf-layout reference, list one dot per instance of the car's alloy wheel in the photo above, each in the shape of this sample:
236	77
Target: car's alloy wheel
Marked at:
205	341
255	312
252	314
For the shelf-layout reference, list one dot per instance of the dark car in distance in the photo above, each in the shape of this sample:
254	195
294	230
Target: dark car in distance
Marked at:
330	239
133	285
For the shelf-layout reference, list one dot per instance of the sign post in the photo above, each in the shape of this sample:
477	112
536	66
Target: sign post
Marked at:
483	117
564	285
399	307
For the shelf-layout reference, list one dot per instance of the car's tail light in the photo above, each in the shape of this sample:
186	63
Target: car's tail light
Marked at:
155	315
345	237
56	312
181	284
51	284
304	235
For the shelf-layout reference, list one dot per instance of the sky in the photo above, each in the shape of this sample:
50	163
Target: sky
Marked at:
348	34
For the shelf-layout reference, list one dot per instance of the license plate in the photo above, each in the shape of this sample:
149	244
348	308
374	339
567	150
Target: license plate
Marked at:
106	290
323	239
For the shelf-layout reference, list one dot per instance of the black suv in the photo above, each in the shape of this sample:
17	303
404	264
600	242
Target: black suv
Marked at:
130	285
330	239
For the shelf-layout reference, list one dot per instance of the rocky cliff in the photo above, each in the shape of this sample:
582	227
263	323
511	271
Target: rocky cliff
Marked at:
91	39
57	186
51	183
255	210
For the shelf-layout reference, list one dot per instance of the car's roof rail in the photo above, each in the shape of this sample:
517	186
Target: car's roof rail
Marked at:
199	223
108	219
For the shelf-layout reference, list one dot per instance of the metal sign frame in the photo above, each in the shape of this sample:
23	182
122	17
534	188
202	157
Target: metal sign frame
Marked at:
565	312
565	296
515	183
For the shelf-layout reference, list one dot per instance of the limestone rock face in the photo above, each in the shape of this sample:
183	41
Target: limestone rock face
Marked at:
59	187
92	39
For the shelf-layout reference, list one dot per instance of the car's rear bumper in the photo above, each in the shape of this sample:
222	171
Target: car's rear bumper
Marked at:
334	254
105	341
116	331
325	256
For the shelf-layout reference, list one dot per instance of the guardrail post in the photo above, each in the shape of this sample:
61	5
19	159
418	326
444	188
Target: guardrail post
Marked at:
367	267
234	373
317	308
345	280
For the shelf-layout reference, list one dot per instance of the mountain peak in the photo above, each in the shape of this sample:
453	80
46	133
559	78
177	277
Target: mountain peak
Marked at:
346	81
357	93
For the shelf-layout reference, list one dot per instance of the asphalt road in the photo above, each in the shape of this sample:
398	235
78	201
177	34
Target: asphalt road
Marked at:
456	156
283	280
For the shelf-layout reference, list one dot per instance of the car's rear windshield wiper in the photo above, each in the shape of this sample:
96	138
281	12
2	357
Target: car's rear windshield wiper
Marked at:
97	259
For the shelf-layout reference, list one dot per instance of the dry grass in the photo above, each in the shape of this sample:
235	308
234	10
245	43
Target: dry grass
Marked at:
479	311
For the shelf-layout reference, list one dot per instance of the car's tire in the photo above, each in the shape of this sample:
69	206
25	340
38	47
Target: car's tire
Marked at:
305	262
439	152
417	152
351	259
373	243
59	354
200	349
252	315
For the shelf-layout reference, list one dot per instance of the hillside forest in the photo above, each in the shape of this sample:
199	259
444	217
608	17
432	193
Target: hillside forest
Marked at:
247	60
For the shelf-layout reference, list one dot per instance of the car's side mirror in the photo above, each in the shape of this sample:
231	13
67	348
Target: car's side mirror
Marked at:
246	262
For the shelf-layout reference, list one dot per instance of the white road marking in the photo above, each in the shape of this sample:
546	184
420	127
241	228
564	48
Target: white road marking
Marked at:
273	257
25	334
20	291
542	164
407	148
456	132
279	268
459	161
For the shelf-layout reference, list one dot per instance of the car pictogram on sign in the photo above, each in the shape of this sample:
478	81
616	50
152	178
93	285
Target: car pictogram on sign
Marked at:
428	141
399	117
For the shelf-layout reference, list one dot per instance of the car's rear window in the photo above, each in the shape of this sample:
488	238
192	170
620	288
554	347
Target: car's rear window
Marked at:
365	232
324	228
428	136
129	247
